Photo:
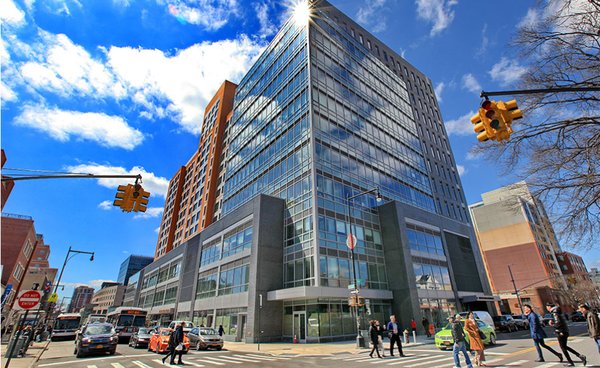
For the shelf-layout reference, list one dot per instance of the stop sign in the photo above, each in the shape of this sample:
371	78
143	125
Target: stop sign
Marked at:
29	299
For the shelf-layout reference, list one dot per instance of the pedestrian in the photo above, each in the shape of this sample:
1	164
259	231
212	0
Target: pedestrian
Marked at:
170	344
221	330
562	333
425	323
538	334
475	339
413	325
459	342
593	323
374	334
176	344
380	330
394	335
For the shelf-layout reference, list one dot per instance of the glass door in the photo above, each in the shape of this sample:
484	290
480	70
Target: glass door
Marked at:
300	326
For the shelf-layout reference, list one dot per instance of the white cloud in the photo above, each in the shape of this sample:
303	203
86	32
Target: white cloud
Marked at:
105	205
461	125
151	212
484	41
507	72
97	283
438	12
371	15
473	155
461	170
530	19
210	14
6	93
439	88
267	27
471	84
109	131
187	80
11	14
156	185
157	230
568	12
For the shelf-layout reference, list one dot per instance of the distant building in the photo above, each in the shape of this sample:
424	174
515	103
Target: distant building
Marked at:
7	186
580	286
108	297
595	276
131	289
82	295
513	230
131	265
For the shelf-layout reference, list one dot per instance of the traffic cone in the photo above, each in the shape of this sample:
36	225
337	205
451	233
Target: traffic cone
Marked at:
295	339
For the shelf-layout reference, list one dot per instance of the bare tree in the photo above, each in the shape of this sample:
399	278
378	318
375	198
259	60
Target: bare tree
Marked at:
556	146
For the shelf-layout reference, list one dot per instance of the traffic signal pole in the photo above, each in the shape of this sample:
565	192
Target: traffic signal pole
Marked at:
485	94
75	176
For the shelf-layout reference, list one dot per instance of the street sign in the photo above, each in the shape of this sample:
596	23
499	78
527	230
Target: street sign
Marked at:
29	299
351	241
53	298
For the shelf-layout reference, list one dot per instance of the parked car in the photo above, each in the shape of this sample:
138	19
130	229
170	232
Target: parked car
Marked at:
96	337
547	319
203	338
159	342
521	321
141	337
483	316
505	323
444	340
188	325
577	317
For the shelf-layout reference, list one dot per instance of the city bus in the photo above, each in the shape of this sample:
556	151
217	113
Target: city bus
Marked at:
66	326
127	320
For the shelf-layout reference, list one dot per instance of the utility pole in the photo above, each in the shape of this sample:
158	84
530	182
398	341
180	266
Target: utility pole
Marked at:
516	290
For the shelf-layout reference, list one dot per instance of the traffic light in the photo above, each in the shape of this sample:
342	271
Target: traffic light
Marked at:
124	197
141	199
510	111
482	123
493	120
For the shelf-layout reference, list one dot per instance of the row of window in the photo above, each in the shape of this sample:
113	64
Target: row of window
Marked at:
167	272
232	278
235	241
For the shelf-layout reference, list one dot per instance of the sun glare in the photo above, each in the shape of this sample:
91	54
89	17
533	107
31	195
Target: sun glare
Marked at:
301	12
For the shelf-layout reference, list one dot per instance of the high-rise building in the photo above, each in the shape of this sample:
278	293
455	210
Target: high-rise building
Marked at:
327	113
131	265
82	295
515	235
191	197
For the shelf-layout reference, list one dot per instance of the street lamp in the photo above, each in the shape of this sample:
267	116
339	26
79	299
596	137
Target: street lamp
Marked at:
67	260
351	243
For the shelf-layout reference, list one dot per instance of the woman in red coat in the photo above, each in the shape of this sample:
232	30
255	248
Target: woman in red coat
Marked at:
475	341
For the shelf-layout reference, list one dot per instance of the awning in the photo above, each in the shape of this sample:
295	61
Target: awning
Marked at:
480	298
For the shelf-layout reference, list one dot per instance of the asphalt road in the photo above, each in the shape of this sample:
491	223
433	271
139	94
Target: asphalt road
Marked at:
513	350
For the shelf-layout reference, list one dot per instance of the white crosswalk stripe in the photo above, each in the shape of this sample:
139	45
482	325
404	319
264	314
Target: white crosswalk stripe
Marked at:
548	365
222	360
410	359
140	364
255	357
517	363
117	365
187	362
244	359
429	362
267	357
92	366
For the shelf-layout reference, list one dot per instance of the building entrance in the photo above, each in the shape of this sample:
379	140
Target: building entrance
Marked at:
300	326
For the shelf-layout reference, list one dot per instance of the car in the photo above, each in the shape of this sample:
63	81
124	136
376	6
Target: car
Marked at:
547	320
577	317
188	325
483	316
96	337
444	339
521	321
505	322
141	337
203	338
159	342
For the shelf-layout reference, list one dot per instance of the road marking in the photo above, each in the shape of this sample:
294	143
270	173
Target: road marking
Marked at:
548	365
256	357
268	356
517	363
117	365
93	359
92	366
140	364
244	359
495	353
429	362
159	361
403	360
219	361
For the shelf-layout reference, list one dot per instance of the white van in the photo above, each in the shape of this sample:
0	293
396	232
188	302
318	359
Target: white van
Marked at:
483	316
188	325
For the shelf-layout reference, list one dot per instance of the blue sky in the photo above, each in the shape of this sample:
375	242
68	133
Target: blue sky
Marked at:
120	86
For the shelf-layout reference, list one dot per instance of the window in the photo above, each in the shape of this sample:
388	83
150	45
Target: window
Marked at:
211	252
237	240
18	271
234	277
27	249
207	284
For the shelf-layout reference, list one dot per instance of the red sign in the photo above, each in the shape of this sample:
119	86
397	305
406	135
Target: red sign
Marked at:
29	299
351	241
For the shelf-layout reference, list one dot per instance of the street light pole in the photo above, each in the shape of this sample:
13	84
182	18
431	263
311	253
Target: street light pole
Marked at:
360	341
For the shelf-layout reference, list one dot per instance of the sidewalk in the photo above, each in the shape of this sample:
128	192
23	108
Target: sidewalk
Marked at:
313	349
31	356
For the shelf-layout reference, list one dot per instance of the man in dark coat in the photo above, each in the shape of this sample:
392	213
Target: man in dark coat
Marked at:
175	339
538	334
394	333
593	323
425	323
562	333
460	343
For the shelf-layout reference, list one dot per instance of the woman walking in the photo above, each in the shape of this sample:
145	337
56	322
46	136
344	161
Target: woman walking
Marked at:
475	340
380	331
374	334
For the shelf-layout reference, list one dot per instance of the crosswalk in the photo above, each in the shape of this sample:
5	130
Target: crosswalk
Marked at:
201	361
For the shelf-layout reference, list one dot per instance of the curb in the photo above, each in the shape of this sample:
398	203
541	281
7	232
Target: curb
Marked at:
37	358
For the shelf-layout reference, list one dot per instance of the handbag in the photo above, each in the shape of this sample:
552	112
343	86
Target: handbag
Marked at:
179	347
481	334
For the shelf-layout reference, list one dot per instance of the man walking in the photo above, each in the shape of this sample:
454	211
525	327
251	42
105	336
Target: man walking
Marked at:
562	333
458	334
394	334
593	323
425	324
538	334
